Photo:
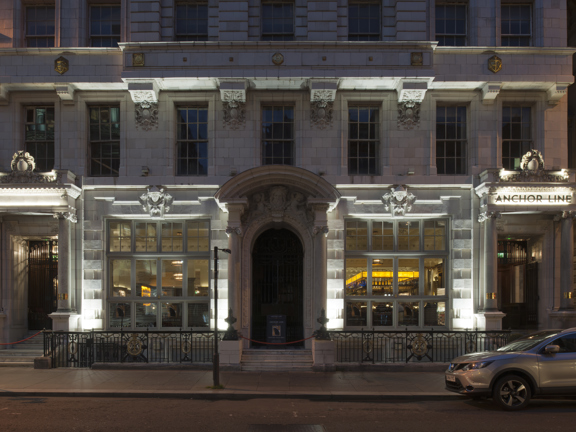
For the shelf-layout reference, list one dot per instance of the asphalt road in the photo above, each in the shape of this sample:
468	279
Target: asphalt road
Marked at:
148	414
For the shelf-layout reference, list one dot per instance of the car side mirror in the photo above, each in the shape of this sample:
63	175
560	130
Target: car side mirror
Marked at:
551	349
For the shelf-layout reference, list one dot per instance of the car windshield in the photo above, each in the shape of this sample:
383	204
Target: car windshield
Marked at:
528	342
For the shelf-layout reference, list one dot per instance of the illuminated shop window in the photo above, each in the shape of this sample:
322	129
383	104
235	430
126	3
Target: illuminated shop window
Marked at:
397	272
155	271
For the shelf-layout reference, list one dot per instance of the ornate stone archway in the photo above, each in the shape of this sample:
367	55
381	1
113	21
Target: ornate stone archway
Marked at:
277	196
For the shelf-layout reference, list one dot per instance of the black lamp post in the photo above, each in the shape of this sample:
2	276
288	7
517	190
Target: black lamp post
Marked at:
216	364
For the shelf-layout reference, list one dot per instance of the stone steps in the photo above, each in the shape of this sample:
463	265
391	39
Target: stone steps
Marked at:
276	360
24	353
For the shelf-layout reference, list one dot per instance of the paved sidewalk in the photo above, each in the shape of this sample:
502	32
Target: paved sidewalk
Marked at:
237	385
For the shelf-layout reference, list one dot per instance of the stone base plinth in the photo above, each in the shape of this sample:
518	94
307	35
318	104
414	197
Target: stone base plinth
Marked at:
43	363
565	318
324	355
489	320
65	321
230	352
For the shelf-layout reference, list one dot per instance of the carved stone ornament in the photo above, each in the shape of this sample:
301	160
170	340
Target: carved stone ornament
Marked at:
532	170
138	59
234	230
494	64
399	201
146	109
485	215
156	201
320	230
66	215
416	59
234	109
61	65
278	202
277	59
565	215
23	166
321	108
409	114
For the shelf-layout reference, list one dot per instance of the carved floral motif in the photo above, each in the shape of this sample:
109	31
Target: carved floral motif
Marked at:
66	215
321	108
156	201
279	202
234	109
485	215
409	114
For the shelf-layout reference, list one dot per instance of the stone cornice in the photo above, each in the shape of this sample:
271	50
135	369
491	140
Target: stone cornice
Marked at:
491	50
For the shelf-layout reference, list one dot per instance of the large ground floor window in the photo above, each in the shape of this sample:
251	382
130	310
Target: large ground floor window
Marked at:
158	275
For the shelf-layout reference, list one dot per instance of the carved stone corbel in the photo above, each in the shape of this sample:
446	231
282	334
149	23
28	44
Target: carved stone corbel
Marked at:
233	96
320	230
234	230
156	201
489	92
145	97
66	93
556	92
485	215
66	215
322	96
410	97
565	215
4	95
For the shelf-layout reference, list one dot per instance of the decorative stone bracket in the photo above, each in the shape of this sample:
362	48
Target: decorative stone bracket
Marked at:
233	95
145	97
485	214
66	215
322	96
156	201
410	96
565	215
399	201
4	95
489	92
556	92
66	93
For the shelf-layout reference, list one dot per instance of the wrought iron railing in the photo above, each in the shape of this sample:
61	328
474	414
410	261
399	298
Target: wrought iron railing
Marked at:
83	349
398	346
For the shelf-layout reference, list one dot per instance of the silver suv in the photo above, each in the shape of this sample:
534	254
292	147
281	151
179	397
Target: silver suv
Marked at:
542	363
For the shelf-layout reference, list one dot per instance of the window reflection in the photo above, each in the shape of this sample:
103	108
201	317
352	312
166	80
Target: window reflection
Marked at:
356	313
408	314
119	315
435	314
408	276
198	315
146	278
198	278
146	315
172	278
120	272
356	275
382	314
434	276
171	315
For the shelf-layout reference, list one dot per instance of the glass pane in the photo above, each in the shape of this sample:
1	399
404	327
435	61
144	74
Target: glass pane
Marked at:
382	277
382	314
435	314
146	315
171	315
172	278
356	314
408	314
198	278
119	315
198	236
408	276
146	278
356	275
434	276
198	315
120	273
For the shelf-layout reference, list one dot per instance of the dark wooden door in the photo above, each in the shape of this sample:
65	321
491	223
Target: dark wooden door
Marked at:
42	283
277	284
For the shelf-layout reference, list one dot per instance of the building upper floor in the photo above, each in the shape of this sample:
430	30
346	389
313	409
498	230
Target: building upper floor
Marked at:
105	23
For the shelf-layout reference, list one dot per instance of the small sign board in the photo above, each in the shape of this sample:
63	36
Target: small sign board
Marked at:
276	328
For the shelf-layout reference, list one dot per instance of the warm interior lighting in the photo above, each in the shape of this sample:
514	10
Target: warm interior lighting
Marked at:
146	292
383	274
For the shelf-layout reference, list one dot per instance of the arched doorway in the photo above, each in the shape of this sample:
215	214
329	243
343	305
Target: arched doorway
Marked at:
277	284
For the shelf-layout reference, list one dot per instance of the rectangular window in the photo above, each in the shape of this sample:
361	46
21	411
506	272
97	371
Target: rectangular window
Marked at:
161	276
40	26
192	142
364	21
105	25
277	20
516	24
192	21
363	140
104	141
39	133
277	135
516	135
451	24
451	141
395	283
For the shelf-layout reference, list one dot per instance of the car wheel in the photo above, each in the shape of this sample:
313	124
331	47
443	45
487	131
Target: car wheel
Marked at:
511	393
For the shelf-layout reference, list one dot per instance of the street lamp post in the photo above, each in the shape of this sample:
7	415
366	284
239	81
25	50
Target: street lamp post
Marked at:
216	361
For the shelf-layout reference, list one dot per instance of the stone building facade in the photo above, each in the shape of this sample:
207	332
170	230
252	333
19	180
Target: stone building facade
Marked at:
398	163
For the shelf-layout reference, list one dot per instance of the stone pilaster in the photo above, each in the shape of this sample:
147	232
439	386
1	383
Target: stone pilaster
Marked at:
566	266
235	233
64	260
320	232
489	297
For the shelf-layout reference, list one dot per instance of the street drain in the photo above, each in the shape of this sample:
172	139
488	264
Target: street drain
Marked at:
285	428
